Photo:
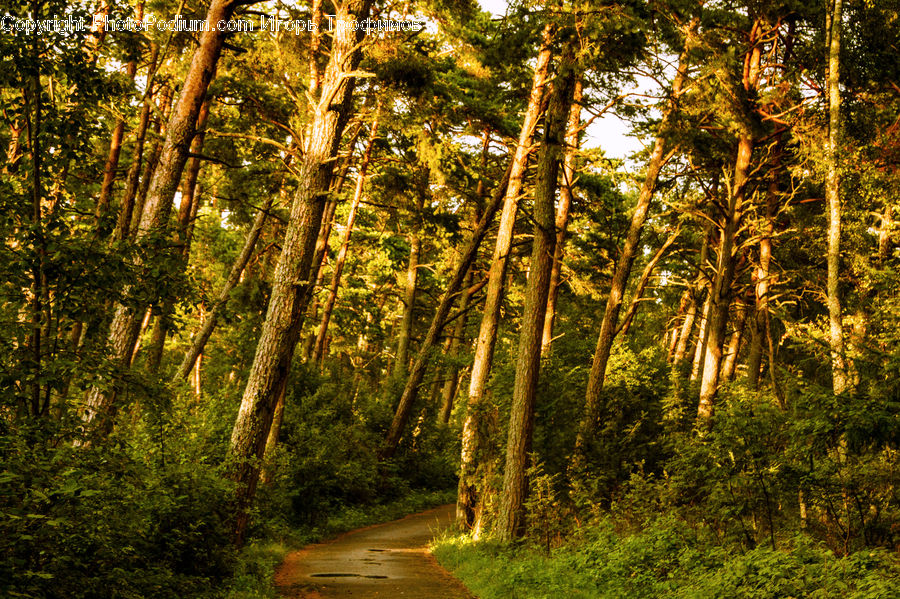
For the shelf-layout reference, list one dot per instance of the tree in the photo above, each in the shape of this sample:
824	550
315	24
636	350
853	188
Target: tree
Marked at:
834	16
438	321
528	360
100	404
292	284
487	335
562	214
721	290
319	350
658	158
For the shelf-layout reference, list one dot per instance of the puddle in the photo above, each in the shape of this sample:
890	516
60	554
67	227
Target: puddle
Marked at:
346	575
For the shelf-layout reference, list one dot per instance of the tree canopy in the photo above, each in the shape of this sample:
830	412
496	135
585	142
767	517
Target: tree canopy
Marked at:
269	262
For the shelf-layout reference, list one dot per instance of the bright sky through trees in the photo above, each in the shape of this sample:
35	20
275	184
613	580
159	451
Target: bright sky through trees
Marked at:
610	133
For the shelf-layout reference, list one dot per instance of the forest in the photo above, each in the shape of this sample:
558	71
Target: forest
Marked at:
277	269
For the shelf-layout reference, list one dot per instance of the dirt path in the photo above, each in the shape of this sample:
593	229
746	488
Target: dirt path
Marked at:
387	560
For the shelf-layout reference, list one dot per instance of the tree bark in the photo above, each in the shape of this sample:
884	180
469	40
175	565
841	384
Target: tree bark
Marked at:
417	373
100	404
189	195
739	319
293	278
562	216
153	160
702	336
763	278
321	253
726	260
695	291
187	208
528	359
840	379
132	179
679	322
448	391
409	295
487	335
268	472
318	354
451	385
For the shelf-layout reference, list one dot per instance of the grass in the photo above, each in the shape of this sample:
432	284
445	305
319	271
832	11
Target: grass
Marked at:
492	570
667	560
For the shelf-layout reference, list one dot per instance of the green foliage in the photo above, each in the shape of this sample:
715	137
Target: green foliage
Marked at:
630	438
148	514
326	461
666	559
254	571
101	522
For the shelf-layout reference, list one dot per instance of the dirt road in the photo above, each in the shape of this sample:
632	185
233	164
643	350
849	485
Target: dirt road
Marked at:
387	560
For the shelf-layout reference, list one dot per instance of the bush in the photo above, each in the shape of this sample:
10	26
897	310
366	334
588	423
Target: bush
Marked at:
666	559
96	522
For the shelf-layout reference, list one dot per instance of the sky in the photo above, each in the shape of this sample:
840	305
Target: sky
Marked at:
609	133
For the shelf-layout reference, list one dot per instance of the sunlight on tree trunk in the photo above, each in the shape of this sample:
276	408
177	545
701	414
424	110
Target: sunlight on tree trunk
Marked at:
840	382
468	494
721	290
292	281
528	361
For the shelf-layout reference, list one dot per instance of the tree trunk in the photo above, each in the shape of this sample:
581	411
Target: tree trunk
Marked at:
884	234
132	179
187	208
209	323
562	215
695	291
734	343
153	160
681	321
487	335
702	336
451	385
528	359
763	278
268	471
608	324
726	262
99	408
320	255
189	195
293	281
318	354
448	392
115	147
33	123
411	390
401	361
840	380
642	283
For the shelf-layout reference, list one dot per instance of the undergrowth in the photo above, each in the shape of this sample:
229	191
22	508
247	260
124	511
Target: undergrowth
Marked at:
666	559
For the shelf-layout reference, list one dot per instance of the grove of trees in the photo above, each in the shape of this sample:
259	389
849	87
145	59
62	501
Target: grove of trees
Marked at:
250	279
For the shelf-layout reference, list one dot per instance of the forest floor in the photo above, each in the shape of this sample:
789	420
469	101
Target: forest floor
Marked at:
385	560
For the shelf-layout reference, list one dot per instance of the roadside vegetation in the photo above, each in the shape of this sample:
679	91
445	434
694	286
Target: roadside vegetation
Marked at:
260	287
